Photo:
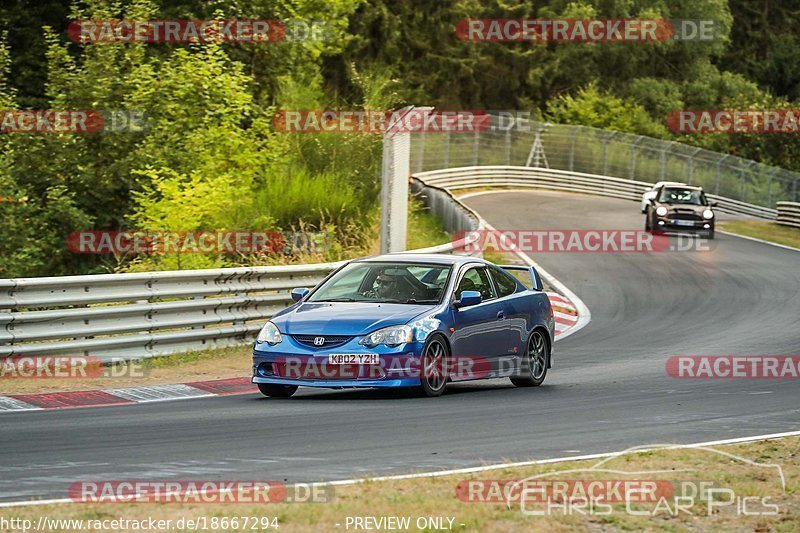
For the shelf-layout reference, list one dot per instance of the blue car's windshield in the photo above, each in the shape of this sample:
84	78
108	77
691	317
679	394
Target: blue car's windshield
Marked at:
408	283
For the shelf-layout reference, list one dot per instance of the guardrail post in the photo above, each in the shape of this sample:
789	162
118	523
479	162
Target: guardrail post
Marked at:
769	188
719	163
663	164
573	137
606	139
237	322
741	184
690	165
421	150
632	166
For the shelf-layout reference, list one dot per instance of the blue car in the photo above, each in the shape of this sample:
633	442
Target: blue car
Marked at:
408	320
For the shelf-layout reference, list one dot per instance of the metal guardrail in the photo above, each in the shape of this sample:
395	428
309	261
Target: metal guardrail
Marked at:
789	214
113	316
563	180
455	216
139	315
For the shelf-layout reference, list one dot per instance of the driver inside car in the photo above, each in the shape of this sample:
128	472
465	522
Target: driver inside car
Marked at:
388	286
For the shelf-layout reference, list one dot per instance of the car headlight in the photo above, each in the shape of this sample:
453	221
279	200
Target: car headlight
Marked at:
391	336
708	214
269	334
397	335
661	211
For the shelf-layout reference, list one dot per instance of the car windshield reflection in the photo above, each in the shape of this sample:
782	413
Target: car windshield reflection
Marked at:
402	283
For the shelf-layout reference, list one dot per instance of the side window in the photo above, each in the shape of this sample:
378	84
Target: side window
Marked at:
505	284
476	279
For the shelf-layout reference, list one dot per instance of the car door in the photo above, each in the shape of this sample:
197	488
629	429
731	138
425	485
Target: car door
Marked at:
479	329
515	322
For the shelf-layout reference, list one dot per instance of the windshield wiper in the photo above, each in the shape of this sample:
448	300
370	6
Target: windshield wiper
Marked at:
337	300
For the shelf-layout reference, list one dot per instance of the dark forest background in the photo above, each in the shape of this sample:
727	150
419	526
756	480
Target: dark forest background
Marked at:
211	160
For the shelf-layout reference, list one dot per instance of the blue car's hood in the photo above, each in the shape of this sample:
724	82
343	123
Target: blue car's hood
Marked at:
344	318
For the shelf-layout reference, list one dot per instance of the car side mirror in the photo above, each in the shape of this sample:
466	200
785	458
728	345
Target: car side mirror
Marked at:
467	299
299	293
712	204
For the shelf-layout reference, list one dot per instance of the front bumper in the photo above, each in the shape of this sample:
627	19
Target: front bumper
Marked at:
291	363
341	383
669	224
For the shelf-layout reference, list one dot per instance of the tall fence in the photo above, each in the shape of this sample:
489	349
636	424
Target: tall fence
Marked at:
585	150
561	180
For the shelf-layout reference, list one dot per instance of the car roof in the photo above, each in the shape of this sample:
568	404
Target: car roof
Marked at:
443	259
665	183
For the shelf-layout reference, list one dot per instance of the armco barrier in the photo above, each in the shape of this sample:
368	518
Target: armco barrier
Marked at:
137	315
789	214
144	314
563	180
455	216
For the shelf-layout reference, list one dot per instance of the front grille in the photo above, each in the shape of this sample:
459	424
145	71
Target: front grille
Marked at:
686	216
331	341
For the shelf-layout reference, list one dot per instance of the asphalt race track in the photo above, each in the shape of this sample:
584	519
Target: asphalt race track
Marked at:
608	390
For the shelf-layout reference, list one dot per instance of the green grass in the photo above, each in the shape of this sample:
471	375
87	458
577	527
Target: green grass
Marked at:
315	199
183	358
768	231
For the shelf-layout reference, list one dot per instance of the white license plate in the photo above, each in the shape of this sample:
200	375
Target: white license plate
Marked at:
354	359
683	223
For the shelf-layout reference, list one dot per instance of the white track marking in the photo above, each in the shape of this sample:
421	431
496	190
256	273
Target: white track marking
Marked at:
762	241
441	473
159	393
